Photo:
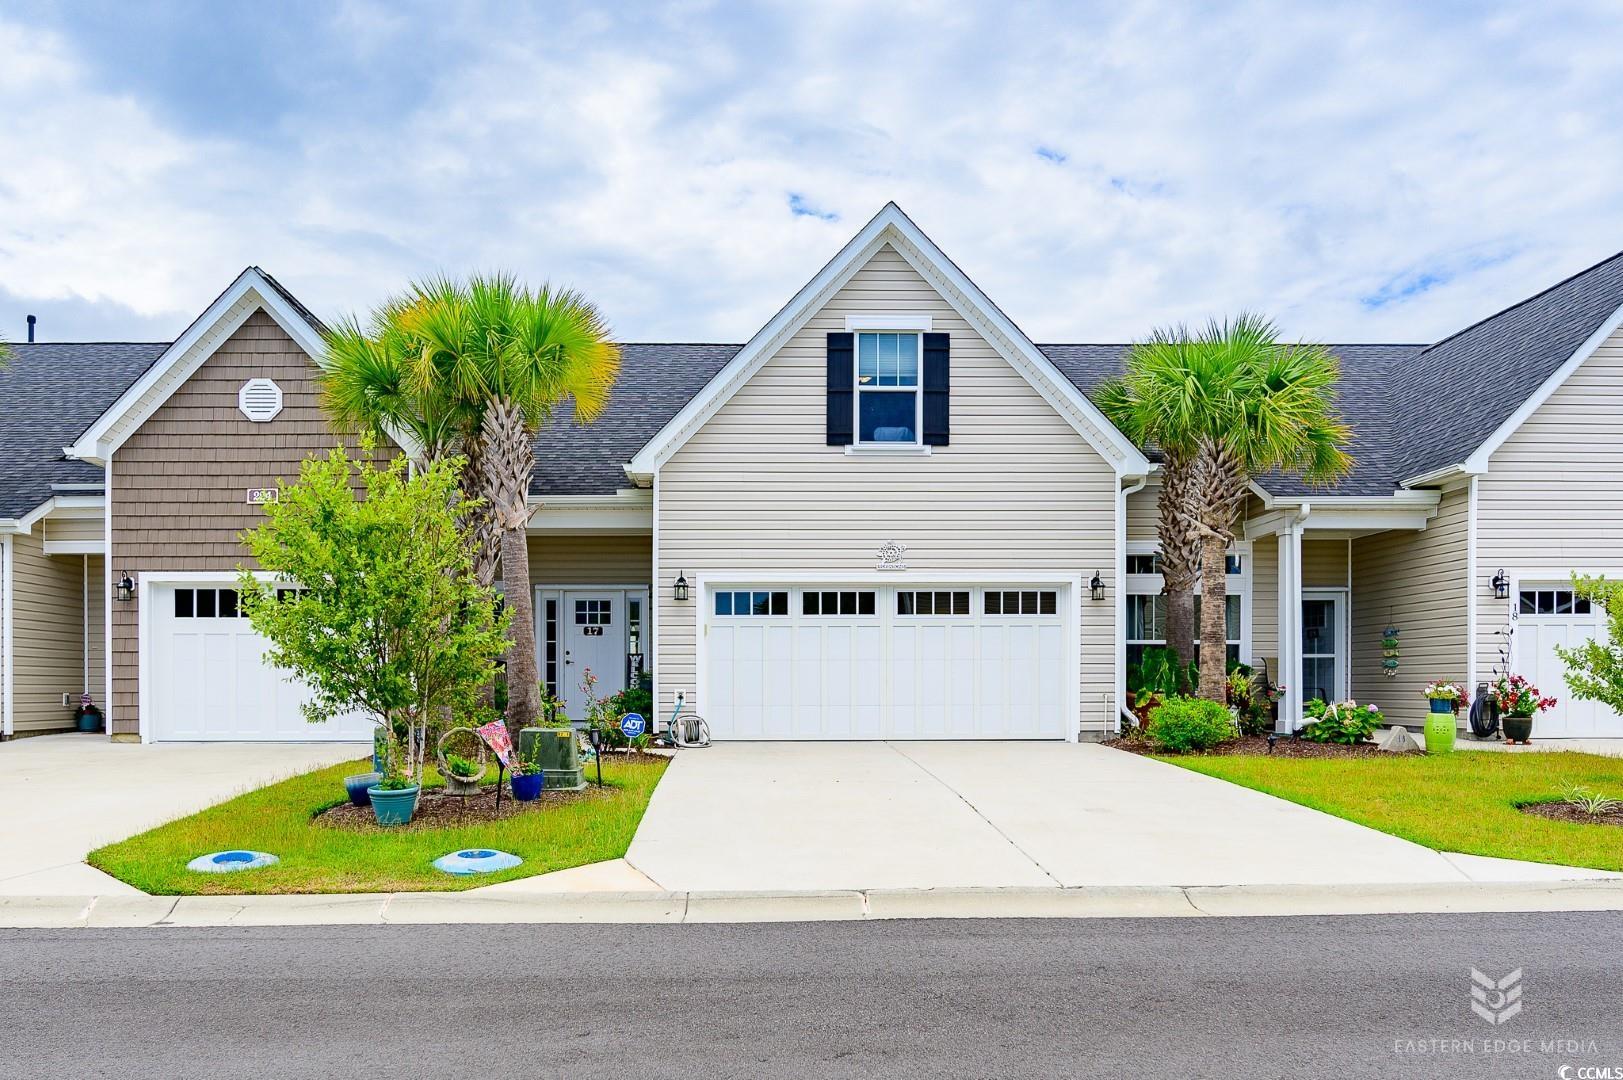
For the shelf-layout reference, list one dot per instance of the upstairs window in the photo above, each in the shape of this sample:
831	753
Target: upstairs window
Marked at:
887	373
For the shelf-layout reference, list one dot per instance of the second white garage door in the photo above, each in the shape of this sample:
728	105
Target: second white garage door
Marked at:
1550	615
207	680
913	662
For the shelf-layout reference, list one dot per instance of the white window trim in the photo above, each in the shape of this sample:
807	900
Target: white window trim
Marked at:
1152	584
857	390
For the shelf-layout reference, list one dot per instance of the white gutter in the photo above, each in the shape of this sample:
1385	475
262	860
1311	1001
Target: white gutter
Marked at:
1121	603
8	671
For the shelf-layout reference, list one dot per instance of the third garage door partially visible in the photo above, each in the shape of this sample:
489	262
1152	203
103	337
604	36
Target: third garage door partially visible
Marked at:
888	662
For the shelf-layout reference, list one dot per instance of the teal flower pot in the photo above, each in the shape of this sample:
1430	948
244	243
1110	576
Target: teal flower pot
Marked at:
394	807
358	785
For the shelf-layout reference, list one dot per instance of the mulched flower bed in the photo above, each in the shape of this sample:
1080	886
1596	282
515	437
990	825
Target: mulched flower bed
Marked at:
1560	811
437	810
1257	745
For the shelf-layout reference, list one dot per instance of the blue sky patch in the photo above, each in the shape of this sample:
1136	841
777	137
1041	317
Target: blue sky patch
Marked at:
799	207
1048	153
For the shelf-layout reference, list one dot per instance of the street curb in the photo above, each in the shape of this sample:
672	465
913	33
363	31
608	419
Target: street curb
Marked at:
1087	902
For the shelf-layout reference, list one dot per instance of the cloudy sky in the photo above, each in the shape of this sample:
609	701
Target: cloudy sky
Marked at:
1371	171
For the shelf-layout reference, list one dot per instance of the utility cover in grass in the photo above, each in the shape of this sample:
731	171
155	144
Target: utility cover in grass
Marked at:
225	862
476	861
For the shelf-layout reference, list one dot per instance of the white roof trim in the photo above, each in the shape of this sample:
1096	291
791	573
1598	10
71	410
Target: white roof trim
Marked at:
891	226
250	292
1478	461
74	505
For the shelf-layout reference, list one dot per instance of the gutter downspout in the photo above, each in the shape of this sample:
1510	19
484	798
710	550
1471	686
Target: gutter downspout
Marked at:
1122	494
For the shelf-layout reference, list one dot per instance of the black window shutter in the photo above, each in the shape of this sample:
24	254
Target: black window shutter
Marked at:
841	377
937	387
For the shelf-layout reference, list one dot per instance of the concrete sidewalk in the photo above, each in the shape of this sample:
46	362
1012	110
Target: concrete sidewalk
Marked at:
758	817
61	796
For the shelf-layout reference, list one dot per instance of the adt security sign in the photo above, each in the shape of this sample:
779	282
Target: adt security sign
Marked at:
632	725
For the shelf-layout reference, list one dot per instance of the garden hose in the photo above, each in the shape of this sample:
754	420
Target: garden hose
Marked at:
1484	714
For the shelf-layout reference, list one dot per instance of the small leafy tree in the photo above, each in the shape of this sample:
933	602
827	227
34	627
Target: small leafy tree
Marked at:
1595	668
374	603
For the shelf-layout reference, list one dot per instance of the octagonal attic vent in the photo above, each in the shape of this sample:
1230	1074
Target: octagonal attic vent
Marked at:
260	400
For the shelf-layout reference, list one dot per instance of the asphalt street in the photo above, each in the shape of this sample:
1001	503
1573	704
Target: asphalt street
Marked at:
1283	997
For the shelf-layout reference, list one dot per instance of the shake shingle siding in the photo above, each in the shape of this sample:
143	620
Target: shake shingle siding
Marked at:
179	484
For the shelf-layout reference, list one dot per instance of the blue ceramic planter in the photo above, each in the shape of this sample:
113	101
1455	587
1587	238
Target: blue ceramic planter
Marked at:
358	784
1441	705
527	786
394	807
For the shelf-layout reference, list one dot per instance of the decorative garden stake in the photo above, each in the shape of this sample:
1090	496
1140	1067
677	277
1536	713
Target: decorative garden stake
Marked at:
500	741
595	736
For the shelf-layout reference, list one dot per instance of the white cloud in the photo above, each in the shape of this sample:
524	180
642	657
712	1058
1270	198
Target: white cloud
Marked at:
1268	157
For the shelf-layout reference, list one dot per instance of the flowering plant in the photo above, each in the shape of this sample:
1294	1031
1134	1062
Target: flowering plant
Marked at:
1344	722
1446	691
1515	696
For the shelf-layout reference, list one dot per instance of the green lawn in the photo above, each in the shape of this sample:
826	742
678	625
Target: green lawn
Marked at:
318	859
1464	801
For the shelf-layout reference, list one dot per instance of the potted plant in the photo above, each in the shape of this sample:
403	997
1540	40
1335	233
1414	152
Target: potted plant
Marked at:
528	780
1446	699
394	799
1519	701
462	773
356	786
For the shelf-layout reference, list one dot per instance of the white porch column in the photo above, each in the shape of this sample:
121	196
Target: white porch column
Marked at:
1290	625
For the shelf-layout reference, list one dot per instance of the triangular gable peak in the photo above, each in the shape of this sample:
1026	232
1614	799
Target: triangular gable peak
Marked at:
252	291
891	226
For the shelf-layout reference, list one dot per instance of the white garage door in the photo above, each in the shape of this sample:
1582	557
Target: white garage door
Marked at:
866	662
207	679
1547	616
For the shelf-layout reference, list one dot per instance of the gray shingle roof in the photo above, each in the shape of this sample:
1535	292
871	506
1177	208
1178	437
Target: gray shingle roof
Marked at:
656	380
1483	373
47	396
293	301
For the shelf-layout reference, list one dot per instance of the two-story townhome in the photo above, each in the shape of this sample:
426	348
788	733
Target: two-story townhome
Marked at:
888	515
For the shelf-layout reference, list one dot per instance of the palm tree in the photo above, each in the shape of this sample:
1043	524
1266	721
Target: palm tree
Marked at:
1242	403
476	369
1176	526
510	356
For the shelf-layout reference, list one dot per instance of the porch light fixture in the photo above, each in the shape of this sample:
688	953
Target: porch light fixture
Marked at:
1097	586
1501	586
680	589
125	590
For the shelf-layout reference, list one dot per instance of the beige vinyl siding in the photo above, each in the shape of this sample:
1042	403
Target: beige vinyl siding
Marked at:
1551	502
591	559
1144	514
1416	582
1324	563
96	628
179	484
1018	492
1265	603
75	529
48	635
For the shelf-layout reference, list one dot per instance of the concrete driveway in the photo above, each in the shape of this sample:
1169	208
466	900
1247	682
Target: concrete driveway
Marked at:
777	816
63	795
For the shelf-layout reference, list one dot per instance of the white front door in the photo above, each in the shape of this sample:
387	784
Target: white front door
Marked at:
1324	645
593	633
206	678
1548	615
887	662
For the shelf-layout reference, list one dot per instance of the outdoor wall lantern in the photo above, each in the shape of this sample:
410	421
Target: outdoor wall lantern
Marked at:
125	590
1097	586
680	589
1501	586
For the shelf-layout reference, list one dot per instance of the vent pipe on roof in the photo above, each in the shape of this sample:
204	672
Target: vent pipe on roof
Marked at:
31	322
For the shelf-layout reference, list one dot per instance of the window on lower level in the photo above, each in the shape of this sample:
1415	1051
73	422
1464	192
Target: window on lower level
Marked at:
752	602
207	604
1147	624
1552	601
837	602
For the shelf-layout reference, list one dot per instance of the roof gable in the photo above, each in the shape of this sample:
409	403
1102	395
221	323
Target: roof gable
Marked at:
1495	373
253	290
891	226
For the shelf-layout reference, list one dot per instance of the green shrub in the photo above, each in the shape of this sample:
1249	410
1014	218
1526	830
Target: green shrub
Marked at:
1182	724
1345	722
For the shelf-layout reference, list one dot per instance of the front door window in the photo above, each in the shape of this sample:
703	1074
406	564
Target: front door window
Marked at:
1321	649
